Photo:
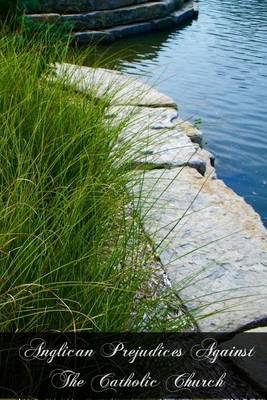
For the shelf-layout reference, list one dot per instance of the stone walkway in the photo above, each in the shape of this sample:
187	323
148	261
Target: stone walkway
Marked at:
212	244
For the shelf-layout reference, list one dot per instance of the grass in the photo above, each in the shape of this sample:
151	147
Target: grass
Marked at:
72	249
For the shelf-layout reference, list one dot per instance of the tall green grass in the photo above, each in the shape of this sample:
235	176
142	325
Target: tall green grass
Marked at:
72	251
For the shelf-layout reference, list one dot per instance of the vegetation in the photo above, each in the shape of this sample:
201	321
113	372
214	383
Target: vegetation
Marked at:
72	250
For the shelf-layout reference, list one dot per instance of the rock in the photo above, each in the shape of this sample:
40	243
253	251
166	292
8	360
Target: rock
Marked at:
126	30
163	141
189	11
162	23
192	132
120	16
98	21
212	244
120	89
201	157
149	117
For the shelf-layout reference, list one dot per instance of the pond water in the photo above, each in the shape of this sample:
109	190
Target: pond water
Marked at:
215	68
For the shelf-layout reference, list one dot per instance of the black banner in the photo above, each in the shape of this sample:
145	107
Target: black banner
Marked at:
131	366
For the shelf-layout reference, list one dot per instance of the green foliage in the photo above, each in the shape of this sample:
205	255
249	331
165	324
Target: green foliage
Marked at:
198	122
72	250
50	33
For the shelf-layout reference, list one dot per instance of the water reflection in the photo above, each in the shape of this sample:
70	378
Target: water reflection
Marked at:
215	67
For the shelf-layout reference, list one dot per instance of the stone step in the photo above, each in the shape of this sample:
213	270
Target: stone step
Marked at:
76	6
187	13
110	18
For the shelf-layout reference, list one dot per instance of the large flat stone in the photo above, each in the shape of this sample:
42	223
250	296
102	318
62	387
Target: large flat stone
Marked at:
212	244
120	16
188	12
110	18
155	118
147	117
120	89
162	136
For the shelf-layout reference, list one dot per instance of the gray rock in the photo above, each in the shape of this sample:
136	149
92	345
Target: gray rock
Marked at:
188	12
127	30
115	20
121	89
212	244
163	140
120	16
192	132
149	117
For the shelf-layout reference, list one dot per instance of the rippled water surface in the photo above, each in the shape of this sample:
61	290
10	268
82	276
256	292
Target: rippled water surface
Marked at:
216	68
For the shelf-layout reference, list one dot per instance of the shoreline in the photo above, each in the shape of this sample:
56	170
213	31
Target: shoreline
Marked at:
211	243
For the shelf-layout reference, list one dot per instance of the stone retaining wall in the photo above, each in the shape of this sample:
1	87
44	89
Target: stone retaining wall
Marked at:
108	20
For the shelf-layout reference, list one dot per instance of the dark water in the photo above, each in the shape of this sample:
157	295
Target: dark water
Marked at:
216	68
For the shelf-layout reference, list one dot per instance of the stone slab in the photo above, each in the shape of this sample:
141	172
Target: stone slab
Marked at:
101	19
120	16
212	244
163	137
120	88
154	118
187	13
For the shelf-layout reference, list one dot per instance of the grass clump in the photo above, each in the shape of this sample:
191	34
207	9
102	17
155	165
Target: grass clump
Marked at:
70	253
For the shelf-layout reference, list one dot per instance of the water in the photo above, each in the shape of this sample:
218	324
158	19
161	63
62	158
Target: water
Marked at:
216	68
